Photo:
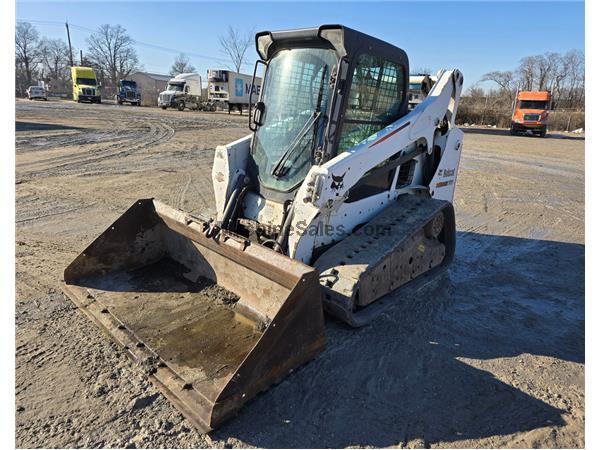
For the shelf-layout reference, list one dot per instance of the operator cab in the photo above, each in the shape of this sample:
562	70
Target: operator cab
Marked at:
325	90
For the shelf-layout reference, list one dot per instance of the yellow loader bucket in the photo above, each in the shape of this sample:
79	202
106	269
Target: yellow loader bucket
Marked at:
212	320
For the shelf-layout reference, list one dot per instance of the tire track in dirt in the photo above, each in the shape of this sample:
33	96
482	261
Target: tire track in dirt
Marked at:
156	132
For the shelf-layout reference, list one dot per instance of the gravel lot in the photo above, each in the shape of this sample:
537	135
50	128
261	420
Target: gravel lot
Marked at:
493	358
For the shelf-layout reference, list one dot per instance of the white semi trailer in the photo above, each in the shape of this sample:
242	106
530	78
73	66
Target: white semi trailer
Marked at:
231	90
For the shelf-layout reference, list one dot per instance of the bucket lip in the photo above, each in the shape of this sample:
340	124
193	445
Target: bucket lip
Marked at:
202	406
165	378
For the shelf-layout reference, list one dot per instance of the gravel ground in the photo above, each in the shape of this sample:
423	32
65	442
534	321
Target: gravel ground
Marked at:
493	358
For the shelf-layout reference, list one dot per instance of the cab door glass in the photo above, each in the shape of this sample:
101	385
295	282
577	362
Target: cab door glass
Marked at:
375	99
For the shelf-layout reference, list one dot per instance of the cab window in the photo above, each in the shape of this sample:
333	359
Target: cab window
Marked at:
375	99
533	104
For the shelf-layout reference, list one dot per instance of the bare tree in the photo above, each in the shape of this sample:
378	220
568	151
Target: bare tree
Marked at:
546	66
574	62
526	72
54	55
235	44
26	50
111	50
181	65
504	79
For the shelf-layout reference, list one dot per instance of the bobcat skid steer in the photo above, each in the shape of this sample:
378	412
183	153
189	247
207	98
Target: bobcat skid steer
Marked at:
337	197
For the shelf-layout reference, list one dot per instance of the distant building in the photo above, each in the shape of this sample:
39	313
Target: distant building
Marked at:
150	84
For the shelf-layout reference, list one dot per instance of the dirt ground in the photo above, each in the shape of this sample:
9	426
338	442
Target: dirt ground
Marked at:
494	358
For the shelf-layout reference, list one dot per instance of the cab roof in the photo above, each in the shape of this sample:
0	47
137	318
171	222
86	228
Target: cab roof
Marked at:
533	95
345	41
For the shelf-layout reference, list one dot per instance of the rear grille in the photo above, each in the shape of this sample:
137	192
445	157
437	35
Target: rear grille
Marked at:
531	117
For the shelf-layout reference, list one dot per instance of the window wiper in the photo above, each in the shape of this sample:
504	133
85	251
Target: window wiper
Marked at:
279	168
318	106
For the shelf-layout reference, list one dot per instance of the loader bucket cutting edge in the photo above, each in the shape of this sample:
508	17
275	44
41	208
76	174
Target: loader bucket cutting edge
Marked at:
212	321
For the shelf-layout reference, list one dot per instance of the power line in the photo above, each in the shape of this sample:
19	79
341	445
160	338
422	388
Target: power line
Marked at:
139	43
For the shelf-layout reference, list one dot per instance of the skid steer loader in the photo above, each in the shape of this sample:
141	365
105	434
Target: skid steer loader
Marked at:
337	197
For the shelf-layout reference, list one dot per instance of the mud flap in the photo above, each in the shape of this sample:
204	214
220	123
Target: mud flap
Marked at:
406	246
212	320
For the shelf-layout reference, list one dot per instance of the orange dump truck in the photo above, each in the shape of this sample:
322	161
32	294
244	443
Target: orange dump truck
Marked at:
531	113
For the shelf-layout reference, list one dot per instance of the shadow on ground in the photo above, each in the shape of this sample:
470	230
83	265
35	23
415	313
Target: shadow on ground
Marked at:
503	297
37	126
506	132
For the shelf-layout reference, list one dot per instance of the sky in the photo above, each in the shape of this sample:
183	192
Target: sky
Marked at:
475	37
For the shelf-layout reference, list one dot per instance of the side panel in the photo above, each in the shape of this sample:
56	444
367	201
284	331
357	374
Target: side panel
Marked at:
230	162
443	183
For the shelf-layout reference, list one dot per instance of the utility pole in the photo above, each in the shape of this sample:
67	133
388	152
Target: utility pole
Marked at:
69	39
484	108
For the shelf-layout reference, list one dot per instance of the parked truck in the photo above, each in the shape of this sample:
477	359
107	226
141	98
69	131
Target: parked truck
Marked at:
183	91
231	90
85	85
419	86
128	92
530	112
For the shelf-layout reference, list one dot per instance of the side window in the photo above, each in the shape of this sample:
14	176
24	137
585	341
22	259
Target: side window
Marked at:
375	99
187	89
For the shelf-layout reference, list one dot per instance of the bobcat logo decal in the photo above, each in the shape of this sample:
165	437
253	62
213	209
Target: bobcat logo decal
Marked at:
338	181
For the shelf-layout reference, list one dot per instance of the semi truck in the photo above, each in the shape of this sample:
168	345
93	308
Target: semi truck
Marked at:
85	85
530	112
183	91
226	90
231	90
128	92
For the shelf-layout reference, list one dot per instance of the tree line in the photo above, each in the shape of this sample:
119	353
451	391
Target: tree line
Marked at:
561	74
110	51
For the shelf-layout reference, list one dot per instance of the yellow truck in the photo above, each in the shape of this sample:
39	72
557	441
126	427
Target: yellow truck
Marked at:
85	85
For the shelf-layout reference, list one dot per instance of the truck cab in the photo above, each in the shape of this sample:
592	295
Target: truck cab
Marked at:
183	90
85	85
128	92
531	112
419	86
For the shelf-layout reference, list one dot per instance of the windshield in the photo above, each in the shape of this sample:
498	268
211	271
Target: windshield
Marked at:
532	104
296	98
175	87
86	81
131	84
